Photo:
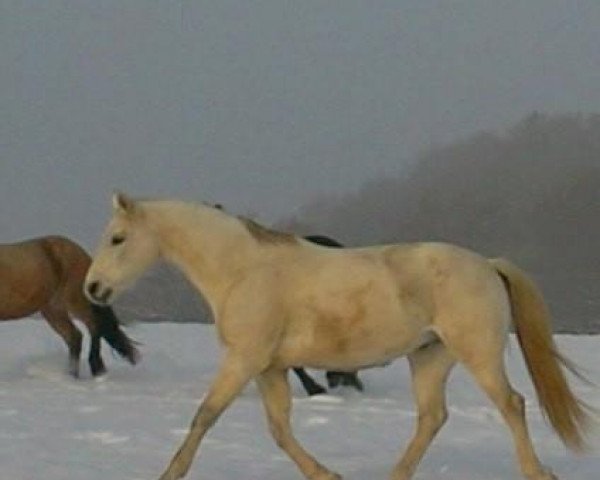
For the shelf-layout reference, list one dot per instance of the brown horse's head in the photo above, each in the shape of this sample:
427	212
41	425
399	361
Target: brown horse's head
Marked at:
127	248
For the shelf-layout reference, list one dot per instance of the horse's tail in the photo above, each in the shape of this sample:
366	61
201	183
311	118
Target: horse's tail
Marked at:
108	328
565	412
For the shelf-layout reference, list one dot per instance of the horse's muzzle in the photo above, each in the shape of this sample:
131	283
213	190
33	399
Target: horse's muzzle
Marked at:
97	293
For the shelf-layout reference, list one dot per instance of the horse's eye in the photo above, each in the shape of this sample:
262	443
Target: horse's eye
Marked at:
117	240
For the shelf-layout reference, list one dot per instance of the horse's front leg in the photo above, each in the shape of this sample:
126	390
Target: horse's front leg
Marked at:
275	391
231	379
59	320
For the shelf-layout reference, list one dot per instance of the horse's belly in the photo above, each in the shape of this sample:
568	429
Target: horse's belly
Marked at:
358	320
349	350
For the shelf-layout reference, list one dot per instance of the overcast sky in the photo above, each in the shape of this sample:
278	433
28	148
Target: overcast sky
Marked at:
262	105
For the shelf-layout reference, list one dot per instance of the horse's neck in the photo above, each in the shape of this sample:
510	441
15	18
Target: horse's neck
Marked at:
209	247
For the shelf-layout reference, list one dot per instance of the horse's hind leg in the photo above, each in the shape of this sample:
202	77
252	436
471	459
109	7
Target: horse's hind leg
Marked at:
483	356
493	380
430	367
60	322
275	391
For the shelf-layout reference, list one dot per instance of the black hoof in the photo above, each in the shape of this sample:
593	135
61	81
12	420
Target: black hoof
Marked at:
315	389
97	368
336	379
74	367
353	381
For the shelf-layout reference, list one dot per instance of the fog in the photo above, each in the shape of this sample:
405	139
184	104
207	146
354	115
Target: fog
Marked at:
262	106
370	121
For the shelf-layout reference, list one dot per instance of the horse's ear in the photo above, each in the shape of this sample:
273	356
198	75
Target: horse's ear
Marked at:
123	203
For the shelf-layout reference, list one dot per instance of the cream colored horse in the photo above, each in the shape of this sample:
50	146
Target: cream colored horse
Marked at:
280	301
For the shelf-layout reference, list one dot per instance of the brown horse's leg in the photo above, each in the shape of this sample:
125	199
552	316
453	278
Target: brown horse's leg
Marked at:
59	320
430	367
275	391
95	359
233	375
80	308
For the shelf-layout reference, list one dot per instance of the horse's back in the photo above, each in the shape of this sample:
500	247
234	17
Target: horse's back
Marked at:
69	252
32	271
53	251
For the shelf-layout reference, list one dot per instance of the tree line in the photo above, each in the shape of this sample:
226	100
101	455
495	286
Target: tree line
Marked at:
530	193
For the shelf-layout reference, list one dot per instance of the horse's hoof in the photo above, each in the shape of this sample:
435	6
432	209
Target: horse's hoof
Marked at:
327	476
97	367
545	474
100	373
177	468
316	390
74	368
168	476
333	380
354	382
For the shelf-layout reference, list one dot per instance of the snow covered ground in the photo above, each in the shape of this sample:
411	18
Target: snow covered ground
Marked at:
126	427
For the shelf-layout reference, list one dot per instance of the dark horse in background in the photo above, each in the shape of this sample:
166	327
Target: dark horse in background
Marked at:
334	379
46	275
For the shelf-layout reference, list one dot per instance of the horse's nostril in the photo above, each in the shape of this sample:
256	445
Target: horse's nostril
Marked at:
93	288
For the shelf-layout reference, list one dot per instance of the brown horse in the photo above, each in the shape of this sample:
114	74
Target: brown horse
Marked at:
280	301
46	275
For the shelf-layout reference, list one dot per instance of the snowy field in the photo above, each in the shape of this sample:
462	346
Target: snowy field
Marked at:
127	426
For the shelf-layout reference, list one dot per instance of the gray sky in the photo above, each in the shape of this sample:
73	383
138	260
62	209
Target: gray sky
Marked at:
262	105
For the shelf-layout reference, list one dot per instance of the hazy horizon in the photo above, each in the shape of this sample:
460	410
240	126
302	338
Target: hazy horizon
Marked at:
262	106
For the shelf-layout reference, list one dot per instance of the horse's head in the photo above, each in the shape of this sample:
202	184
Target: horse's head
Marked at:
127	248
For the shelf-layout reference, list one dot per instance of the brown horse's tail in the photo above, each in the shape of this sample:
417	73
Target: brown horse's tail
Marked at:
108	328
565	412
